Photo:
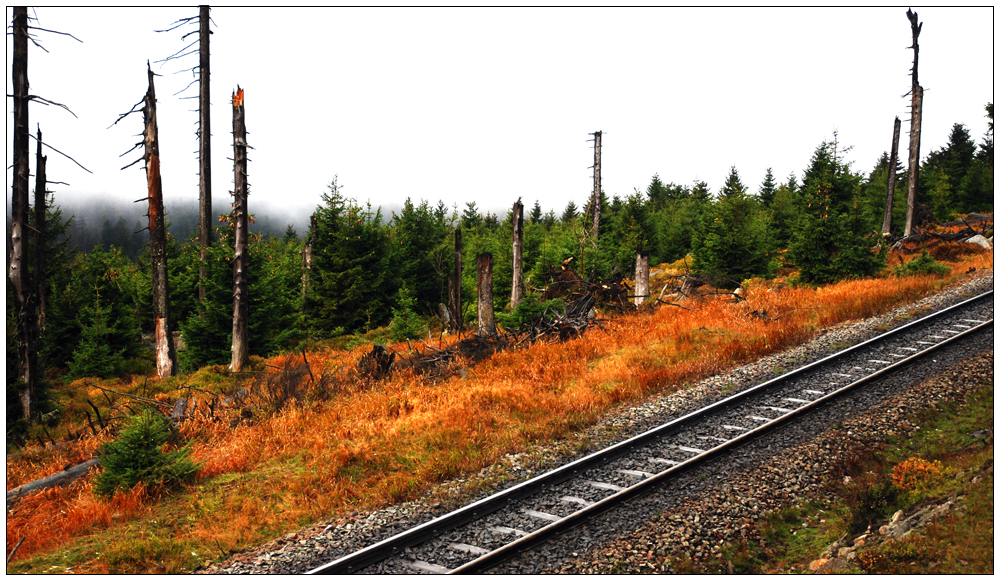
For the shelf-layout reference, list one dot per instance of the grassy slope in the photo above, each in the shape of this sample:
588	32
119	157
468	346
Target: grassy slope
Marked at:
949	463
368	445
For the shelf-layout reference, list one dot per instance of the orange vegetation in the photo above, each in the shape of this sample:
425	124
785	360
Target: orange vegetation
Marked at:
373	444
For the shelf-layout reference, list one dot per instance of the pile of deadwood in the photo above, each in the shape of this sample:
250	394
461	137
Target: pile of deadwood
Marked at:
581	298
922	239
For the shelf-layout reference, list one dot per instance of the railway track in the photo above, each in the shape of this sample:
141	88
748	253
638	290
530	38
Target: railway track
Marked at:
485	533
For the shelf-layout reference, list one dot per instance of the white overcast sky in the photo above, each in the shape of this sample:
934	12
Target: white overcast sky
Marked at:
489	105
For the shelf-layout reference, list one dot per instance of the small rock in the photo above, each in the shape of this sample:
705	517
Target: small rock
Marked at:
815	565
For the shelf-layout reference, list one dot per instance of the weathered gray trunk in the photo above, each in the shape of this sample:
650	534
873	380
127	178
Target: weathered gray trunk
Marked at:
596	196
19	232
241	300
517	288
307	255
890	187
484	308
916	106
166	358
61	478
455	285
641	277
204	148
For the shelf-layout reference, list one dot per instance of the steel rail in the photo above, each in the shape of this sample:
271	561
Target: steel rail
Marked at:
382	550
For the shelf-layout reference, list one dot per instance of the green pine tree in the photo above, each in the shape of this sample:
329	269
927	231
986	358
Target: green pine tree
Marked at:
137	456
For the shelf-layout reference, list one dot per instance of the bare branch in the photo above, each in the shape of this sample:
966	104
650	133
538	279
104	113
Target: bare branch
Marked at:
173	56
57	32
35	42
45	101
185	88
124	115
178	23
131	150
143	158
61	153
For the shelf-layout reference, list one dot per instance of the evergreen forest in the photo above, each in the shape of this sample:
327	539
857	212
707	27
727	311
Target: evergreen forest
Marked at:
386	275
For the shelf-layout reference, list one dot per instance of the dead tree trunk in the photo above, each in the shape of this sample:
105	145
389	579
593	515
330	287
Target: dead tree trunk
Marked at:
890	187
517	289
166	358
641	277
40	207
484	308
19	232
204	149
916	106
241	300
455	285
307	254
595	201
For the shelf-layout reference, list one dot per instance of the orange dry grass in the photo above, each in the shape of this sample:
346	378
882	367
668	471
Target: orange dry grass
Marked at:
51	517
371	445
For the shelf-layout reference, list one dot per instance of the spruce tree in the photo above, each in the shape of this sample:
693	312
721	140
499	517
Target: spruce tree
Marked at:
137	456
768	188
830	242
731	244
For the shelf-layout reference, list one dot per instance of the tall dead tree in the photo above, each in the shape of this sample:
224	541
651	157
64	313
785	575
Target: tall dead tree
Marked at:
40	237
890	188
241	299
517	288
916	110
19	232
307	254
595	201
166	357
204	132
485	324
204	148
641	277
455	286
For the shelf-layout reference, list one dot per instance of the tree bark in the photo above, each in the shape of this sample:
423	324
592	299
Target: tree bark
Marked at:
596	199
484	308
916	106
307	254
641	277
517	288
61	478
204	149
891	180
40	241
455	299
241	300
166	358
19	232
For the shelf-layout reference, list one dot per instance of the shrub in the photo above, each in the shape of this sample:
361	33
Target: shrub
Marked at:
914	473
923	264
137	456
870	501
405	322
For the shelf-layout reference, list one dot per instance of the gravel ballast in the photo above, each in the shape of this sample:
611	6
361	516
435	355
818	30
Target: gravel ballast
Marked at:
695	514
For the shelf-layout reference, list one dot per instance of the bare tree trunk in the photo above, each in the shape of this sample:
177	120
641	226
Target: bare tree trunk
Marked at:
891	185
916	106
204	149
596	199
641	277
241	300
307	255
40	207
166	358
484	308
455	287
517	289
19	234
